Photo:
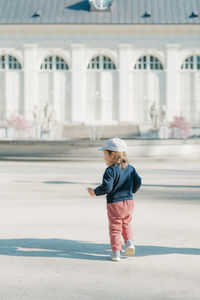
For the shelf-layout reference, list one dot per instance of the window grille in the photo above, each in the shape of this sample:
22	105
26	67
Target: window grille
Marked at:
13	63
198	62
101	63
141	63
54	63
2	62
148	63
9	62
155	64
191	63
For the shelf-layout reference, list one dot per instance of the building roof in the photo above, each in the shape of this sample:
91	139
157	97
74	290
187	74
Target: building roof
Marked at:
78	12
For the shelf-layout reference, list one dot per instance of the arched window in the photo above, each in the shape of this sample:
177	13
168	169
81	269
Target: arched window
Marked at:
54	80
148	62
102	90
148	87
11	95
191	63
9	62
54	63
190	89
101	63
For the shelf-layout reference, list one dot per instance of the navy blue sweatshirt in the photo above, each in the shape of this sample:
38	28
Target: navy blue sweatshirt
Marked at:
119	184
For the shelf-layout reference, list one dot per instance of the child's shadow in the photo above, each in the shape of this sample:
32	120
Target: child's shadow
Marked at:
160	250
54	248
77	249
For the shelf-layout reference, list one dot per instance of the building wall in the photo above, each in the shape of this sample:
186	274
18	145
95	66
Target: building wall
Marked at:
121	95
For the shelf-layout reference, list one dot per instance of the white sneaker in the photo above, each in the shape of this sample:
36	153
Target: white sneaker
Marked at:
115	256
130	248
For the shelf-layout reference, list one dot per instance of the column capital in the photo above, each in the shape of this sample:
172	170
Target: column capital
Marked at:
77	46
124	46
29	46
172	46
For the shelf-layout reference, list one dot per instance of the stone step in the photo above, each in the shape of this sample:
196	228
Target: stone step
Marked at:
84	149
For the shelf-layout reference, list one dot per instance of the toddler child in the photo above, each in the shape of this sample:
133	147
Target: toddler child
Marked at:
120	181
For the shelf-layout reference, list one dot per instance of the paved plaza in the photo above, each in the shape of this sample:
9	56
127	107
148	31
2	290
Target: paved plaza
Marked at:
54	242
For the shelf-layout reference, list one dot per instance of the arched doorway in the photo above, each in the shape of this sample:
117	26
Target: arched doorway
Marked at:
148	87
102	90
54	87
11	95
190	89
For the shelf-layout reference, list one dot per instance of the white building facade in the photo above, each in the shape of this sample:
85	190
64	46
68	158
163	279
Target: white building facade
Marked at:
100	73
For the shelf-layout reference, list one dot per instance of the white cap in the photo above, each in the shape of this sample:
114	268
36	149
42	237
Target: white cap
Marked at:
115	145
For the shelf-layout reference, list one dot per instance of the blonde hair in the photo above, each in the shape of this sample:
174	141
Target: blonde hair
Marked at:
120	159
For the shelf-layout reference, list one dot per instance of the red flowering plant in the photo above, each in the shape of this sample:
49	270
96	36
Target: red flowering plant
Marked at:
18	122
180	127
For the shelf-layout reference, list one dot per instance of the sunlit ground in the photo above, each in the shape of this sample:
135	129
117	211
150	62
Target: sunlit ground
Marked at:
54	240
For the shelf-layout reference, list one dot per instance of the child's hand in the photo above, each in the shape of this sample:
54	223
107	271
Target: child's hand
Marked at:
91	191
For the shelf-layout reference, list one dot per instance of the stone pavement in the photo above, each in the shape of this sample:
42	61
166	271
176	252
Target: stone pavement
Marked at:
54	242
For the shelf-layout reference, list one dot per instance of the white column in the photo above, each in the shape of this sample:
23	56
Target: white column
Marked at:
8	104
77	96
3	108
125	107
172	81
30	87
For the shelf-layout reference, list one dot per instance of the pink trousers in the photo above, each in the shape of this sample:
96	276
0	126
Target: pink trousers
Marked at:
120	216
